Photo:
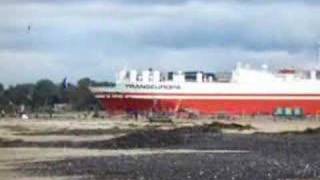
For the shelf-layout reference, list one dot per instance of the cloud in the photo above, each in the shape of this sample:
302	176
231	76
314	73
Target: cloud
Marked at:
250	27
24	66
96	38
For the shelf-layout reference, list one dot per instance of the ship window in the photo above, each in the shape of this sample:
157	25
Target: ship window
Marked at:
210	77
318	75
127	76
190	76
162	77
170	76
307	75
139	76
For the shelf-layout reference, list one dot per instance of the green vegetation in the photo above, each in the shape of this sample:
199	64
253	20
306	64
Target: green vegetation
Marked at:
44	94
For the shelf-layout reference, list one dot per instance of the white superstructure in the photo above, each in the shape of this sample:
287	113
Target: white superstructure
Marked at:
211	92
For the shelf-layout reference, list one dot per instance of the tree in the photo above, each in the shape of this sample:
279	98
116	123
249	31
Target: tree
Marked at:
84	82
20	94
64	91
82	98
45	94
2	99
1	89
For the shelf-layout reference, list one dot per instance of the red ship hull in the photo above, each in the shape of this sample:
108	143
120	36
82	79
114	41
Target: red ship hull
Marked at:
245	105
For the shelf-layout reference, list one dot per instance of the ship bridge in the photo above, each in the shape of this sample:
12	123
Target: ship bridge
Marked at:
154	76
242	74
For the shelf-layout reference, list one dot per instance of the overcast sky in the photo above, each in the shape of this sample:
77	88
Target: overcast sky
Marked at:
95	38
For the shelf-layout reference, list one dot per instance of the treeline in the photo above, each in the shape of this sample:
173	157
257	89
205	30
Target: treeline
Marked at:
45	94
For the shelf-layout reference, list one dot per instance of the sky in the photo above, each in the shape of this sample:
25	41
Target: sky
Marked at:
95	38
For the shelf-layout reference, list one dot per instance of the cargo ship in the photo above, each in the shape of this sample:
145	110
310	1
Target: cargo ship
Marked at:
243	91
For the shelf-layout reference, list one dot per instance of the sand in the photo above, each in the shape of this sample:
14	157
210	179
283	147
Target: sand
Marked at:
47	145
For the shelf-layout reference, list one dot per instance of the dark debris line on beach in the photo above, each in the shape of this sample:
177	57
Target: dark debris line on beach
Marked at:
150	137
271	156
